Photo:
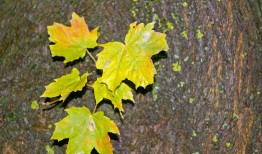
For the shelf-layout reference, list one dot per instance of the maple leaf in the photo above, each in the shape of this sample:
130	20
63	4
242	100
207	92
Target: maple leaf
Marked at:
71	42
85	131
65	85
131	60
123	92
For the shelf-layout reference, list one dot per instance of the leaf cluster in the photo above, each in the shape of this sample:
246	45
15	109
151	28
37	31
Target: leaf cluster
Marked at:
118	61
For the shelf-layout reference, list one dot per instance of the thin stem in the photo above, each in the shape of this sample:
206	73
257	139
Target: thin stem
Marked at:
94	109
91	56
89	86
121	114
50	103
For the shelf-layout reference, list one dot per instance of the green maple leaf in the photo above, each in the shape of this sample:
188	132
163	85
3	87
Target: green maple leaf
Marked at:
71	42
123	92
65	85
85	131
131	60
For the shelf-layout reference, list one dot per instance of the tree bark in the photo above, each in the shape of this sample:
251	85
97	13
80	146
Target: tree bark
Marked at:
213	105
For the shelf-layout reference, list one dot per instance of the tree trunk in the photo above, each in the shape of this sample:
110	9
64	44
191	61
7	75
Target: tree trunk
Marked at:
213	105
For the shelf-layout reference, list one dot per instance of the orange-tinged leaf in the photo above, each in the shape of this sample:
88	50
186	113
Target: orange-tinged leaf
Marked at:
72	42
85	131
131	60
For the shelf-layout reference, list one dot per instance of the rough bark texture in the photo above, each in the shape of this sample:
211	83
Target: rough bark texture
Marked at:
213	105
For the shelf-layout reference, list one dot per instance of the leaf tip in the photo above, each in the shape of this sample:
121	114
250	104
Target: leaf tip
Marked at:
132	25
150	25
74	15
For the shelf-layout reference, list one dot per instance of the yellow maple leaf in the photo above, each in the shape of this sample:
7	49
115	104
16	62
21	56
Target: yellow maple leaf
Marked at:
72	42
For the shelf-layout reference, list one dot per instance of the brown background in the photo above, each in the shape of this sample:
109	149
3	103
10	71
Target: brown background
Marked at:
221	72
